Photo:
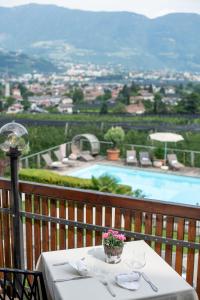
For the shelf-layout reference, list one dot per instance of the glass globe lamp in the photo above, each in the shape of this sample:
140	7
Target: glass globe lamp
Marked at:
14	136
14	141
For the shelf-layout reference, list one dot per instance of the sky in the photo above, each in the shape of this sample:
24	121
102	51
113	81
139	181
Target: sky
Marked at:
150	8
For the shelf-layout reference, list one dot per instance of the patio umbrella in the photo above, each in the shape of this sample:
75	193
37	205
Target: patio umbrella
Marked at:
166	137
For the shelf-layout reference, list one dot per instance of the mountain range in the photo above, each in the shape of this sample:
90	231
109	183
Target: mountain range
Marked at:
170	42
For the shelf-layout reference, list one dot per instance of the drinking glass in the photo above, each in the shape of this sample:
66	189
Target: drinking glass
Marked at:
136	260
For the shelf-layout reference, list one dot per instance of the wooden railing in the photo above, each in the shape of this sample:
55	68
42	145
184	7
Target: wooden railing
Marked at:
58	218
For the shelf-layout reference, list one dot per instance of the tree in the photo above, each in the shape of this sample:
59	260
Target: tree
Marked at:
189	104
1	105
78	95
158	105
119	108
162	91
116	135
24	91
107	94
26	104
104	108
124	95
149	106
9	101
110	184
134	88
150	89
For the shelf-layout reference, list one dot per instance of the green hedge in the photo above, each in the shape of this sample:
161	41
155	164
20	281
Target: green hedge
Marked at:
48	177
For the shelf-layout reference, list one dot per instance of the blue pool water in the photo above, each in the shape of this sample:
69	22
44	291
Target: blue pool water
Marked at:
155	185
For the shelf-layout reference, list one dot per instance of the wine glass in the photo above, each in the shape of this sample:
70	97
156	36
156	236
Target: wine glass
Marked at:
136	260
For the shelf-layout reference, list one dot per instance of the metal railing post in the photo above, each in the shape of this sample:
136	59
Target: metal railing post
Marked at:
16	207
192	155
38	161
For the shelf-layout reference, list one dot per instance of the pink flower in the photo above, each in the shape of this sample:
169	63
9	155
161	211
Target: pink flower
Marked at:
105	235
113	232
121	237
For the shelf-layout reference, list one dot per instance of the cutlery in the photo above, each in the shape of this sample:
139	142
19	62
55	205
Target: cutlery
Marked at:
146	278
61	264
73	278
64	263
107	285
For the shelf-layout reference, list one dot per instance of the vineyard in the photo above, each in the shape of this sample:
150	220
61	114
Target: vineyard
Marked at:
47	130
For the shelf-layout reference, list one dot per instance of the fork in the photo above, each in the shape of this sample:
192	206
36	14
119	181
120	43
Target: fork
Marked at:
109	288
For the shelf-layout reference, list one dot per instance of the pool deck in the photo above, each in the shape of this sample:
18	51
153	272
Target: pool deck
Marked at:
186	171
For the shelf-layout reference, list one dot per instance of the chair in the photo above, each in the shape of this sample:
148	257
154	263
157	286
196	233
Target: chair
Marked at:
131	157
145	159
64	160
21	285
173	162
52	164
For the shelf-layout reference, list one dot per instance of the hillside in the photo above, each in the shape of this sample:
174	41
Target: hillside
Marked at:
18	63
168	42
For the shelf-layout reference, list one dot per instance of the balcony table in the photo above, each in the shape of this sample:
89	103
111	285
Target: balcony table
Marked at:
170	285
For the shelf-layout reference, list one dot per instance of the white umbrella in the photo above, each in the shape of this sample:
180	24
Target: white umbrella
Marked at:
166	137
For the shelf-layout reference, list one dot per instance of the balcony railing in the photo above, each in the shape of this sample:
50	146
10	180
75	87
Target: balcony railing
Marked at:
58	218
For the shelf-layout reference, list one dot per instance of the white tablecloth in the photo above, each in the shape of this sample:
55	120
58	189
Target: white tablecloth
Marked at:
171	286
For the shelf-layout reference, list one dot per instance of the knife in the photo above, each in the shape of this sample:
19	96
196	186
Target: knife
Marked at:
73	278
146	278
64	262
61	264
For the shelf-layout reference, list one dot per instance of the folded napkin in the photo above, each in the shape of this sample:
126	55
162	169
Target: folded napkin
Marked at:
128	281
80	266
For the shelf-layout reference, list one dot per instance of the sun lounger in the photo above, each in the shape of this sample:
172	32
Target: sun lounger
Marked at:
131	157
173	162
64	160
85	156
52	164
145	159
62	149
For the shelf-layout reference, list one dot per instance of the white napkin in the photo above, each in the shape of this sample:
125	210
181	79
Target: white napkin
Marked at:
128	281
80	266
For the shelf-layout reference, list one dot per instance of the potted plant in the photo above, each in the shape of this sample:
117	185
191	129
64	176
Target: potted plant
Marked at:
113	243
115	135
158	157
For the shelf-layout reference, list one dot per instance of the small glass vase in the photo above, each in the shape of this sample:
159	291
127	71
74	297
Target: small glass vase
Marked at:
113	254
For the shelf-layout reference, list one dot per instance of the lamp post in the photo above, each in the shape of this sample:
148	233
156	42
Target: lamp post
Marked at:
14	141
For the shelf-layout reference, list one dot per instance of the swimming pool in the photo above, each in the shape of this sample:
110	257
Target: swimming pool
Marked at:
155	185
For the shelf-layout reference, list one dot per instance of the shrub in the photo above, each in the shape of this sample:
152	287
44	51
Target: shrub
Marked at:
48	177
158	153
109	184
115	135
